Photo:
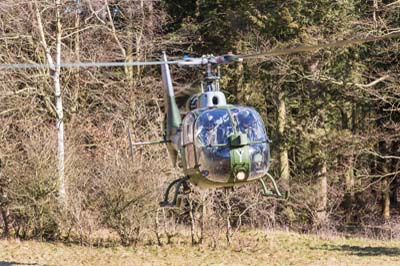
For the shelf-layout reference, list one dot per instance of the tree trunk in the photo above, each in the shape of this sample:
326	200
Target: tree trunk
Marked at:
129	50
228	232
349	185
386	198
239	84
203	217
59	110
169	232
157	227
77	58
394	168
192	223
385	184
375	9
283	151
322	194
347	160
55	74
4	216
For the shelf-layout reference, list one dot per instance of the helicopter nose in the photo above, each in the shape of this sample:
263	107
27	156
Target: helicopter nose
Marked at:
240	163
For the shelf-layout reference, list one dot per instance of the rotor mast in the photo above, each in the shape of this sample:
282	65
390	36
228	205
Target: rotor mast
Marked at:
210	79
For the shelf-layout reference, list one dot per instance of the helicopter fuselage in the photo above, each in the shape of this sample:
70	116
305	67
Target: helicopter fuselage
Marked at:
223	146
218	145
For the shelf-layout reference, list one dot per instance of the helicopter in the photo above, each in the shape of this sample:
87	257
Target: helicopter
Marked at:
218	145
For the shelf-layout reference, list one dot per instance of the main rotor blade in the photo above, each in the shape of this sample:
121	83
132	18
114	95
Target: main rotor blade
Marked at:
205	60
87	64
318	46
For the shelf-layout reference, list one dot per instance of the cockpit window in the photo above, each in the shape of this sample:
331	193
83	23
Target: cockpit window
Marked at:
187	141
213	127
187	127
211	141
212	131
249	122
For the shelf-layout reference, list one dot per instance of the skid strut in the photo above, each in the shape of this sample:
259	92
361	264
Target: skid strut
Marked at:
177	183
268	193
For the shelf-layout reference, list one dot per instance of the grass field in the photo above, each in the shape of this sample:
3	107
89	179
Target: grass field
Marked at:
253	248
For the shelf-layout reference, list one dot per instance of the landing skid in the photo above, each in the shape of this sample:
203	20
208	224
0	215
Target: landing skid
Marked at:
268	193
178	183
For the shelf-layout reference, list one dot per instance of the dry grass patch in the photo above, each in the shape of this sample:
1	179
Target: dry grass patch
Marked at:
249	248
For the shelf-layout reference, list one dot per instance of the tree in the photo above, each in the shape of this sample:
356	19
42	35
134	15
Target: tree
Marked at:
55	70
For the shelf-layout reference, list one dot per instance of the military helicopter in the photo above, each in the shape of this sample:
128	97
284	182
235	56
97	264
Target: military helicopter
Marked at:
217	144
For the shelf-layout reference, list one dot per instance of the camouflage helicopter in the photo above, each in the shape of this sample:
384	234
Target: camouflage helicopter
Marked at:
217	144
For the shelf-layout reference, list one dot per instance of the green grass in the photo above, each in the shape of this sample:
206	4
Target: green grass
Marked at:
249	248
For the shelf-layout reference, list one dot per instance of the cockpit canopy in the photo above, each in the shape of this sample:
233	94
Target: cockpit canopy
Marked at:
206	141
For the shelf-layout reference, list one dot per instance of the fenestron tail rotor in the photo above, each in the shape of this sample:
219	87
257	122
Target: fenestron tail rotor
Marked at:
210	59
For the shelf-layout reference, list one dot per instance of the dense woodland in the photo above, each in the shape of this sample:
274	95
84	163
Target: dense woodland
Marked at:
333	116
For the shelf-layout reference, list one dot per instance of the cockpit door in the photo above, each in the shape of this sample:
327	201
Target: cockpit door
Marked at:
189	155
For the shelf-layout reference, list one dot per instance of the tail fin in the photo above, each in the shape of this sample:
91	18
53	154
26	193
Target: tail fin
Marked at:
172	115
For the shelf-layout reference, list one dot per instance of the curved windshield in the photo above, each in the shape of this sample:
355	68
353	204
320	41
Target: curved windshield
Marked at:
259	158
212	130
213	127
249	122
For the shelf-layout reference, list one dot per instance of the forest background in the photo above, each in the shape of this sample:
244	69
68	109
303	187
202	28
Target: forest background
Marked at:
333	117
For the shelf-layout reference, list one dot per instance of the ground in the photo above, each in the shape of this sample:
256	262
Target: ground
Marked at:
249	248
